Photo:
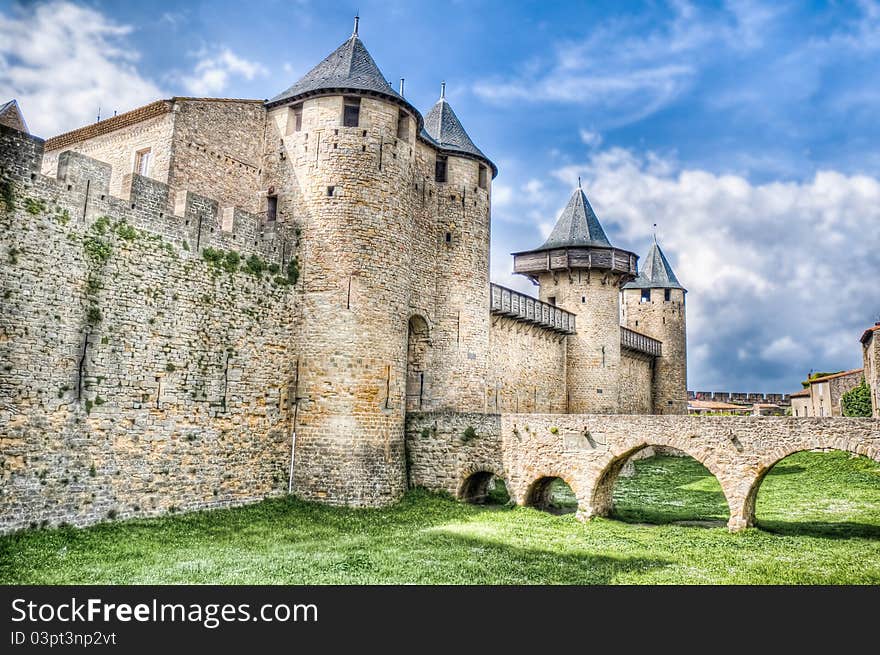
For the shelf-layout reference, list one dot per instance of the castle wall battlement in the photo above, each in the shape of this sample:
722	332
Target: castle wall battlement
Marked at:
82	188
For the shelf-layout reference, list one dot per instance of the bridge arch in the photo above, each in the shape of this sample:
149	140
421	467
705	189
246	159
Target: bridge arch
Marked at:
475	485
608	471
745	516
538	493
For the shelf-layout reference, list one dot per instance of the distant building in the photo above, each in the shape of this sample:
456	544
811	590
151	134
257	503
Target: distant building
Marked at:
717	407
871	356
800	403
823	396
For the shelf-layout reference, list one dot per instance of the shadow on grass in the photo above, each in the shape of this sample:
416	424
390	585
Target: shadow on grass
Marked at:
825	529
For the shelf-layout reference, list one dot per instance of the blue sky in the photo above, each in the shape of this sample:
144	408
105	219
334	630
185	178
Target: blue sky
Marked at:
748	131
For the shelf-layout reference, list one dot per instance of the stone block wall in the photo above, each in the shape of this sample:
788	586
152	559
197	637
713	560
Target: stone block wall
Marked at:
527	368
137	378
636	381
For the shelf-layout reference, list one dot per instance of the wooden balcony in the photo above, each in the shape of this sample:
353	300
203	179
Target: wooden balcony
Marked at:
534	262
507	302
638	342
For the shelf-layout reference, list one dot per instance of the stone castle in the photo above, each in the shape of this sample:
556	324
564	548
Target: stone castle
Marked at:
209	301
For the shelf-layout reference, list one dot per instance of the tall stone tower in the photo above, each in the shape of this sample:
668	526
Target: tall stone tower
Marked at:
579	270
340	171
462	178
654	304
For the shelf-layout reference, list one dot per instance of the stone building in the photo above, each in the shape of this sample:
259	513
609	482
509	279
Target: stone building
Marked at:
871	357
801	403
823	395
255	294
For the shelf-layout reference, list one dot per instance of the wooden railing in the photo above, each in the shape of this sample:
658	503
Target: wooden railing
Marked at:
639	342
507	302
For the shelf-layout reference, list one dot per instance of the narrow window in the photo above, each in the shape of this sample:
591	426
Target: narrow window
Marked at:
402	125
583	299
646	295
449	237
297	118
667	294
271	208
440	169
351	114
552	300
330	191
142	161
484	177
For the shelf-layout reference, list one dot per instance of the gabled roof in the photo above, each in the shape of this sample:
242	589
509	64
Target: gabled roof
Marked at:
800	394
350	67
444	129
656	272
10	114
577	226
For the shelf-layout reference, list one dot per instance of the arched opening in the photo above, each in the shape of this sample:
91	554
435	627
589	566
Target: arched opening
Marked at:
824	493
484	488
417	351
552	494
661	485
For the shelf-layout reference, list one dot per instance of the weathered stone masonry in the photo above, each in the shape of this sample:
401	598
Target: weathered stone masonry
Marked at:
136	377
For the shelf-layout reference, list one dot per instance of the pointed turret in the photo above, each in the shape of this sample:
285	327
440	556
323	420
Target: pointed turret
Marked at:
656	272
578	270
349	68
576	242
577	225
443	128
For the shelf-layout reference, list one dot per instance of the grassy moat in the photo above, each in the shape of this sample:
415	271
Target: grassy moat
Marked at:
819	513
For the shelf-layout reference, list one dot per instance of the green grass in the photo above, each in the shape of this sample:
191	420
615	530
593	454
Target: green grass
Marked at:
428	538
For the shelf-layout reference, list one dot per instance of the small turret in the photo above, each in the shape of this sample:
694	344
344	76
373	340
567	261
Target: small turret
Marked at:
579	270
654	304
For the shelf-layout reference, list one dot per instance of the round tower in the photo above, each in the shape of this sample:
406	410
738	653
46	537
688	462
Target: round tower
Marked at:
462	177
340	158
654	305
579	270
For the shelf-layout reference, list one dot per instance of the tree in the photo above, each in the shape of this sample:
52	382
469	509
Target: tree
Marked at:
857	401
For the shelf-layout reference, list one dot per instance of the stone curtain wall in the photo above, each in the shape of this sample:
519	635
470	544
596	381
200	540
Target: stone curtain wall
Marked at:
136	377
589	451
636	375
527	368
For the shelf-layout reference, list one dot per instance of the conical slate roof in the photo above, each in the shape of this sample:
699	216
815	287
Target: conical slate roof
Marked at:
656	272
577	226
350	66
444	128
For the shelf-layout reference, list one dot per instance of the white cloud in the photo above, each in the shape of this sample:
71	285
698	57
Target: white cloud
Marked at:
213	72
781	275
589	138
62	61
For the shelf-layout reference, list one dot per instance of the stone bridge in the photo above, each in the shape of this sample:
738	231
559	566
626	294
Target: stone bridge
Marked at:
457	453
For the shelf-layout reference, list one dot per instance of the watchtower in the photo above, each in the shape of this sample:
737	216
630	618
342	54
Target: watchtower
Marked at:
579	270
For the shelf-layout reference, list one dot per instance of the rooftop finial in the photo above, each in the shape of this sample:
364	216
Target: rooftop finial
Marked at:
357	19
401	86
442	90
655	233
579	181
